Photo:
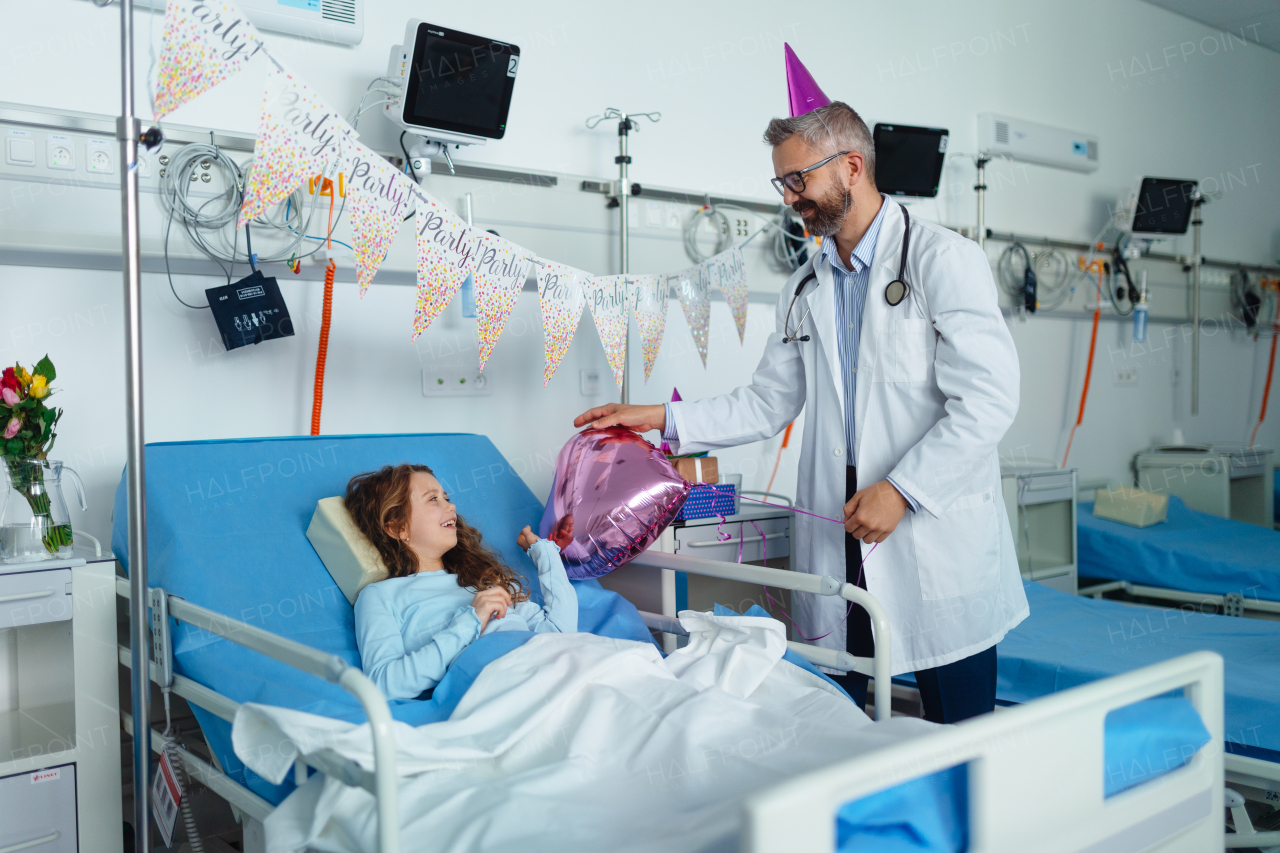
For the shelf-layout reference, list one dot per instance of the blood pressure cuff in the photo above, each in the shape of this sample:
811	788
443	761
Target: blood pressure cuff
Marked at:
250	311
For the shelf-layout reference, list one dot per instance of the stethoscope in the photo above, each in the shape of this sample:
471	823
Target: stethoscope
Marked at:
894	292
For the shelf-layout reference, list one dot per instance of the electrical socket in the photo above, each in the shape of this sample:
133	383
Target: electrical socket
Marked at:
1126	376
454	383
589	382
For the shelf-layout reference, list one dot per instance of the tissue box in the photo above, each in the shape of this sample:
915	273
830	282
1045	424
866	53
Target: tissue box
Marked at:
1131	506
698	469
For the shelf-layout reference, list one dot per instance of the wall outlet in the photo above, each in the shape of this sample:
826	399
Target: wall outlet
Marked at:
1126	376
589	383
454	383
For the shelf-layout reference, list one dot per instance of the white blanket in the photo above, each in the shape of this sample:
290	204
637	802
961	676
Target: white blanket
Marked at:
579	742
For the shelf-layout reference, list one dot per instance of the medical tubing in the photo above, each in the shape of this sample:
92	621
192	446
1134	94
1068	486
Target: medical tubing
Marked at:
786	437
723	241
1088	371
1266	388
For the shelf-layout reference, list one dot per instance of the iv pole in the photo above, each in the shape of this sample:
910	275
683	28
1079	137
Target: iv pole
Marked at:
626	124
129	133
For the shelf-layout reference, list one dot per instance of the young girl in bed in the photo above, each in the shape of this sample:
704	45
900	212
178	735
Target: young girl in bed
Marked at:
445	587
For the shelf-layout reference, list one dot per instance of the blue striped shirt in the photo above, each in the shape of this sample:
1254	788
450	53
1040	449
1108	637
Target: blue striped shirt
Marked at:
851	297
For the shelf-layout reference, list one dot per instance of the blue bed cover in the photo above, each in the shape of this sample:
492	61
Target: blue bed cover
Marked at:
224	516
1191	551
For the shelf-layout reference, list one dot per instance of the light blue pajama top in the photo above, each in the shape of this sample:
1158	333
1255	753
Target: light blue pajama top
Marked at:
410	630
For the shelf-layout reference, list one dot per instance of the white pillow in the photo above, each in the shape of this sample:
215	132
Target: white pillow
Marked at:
350	558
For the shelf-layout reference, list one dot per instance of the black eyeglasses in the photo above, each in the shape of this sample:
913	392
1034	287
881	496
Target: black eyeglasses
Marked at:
794	181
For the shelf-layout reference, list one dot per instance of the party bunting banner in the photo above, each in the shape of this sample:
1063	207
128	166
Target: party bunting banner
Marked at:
607	297
299	136
730	268
379	197
204	43
446	254
695	299
562	296
500	273
649	303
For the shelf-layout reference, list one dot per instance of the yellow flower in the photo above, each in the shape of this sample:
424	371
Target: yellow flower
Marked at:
23	376
39	387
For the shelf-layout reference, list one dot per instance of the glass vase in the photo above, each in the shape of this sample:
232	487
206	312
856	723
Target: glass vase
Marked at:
36	524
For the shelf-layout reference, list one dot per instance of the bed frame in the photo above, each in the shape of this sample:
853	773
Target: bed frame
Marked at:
1049	728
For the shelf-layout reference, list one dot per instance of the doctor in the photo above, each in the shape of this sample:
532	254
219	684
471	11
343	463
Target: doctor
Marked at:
908	392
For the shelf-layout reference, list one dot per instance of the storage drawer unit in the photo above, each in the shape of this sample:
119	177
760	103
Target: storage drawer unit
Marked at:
33	598
38	811
1041	504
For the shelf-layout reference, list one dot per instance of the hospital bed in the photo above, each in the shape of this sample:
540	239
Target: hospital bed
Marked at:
244	611
1069	641
1192	557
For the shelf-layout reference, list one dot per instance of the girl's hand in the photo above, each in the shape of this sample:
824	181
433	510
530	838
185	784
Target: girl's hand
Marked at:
527	538
491	603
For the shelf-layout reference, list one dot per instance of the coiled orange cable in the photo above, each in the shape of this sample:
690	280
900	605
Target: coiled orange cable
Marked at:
322	351
1271	367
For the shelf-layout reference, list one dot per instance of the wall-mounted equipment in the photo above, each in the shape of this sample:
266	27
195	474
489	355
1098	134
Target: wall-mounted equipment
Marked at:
455	87
1032	142
1157	206
909	159
340	21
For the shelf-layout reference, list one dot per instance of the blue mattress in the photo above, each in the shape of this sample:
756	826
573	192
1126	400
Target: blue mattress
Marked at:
1275	505
1191	551
1069	640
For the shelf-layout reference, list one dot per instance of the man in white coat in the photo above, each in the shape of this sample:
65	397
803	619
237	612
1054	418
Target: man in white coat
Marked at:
908	390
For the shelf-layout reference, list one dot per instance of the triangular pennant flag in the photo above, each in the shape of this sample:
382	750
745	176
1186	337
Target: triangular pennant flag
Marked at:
607	299
204	43
695	299
378	194
446	254
649	303
500	273
299	136
731	271
562	296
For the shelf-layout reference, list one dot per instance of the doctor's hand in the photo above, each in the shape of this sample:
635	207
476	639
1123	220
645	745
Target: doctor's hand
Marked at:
491	603
638	418
874	512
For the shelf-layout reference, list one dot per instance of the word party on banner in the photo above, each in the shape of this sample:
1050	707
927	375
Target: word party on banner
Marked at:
446	255
299	136
204	43
499	275
729	269
607	299
379	195
649	303
562	297
694	287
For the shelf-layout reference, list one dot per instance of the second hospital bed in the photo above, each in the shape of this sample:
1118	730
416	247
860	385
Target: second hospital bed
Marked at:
1191	557
226	543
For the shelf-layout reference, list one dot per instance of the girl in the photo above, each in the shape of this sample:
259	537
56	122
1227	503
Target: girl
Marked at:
445	587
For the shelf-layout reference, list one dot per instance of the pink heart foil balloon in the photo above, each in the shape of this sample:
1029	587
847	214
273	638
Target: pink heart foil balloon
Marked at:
614	493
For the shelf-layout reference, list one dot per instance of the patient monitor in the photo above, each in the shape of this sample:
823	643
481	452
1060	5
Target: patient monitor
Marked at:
350	558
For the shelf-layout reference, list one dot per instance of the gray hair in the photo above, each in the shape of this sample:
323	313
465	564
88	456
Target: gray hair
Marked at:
836	125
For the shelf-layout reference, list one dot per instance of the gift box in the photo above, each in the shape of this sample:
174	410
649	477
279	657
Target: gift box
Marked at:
708	499
697	469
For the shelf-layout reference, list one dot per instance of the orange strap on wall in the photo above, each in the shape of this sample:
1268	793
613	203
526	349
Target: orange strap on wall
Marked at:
322	351
1266	389
1088	371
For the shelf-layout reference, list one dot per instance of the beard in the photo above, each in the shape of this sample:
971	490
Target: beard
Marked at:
829	211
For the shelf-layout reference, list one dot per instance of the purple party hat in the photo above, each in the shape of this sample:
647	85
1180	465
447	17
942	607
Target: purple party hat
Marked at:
802	90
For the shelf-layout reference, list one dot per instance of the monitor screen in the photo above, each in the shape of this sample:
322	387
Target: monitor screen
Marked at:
460	82
1164	206
909	159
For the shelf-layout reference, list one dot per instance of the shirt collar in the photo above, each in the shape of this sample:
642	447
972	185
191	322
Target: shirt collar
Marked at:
863	253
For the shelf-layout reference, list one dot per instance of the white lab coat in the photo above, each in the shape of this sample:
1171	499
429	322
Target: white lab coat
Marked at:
936	391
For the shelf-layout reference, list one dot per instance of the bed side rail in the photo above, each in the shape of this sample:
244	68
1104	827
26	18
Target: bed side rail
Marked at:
1020	759
322	665
877	667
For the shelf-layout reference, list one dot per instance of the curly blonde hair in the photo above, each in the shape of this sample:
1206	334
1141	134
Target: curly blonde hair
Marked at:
379	499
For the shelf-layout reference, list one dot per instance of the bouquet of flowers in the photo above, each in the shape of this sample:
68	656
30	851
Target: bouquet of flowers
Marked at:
29	423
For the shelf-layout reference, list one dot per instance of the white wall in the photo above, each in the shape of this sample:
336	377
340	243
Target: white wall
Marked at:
1166	96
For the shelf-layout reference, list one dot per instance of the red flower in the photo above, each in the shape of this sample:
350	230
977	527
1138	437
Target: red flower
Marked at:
9	379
